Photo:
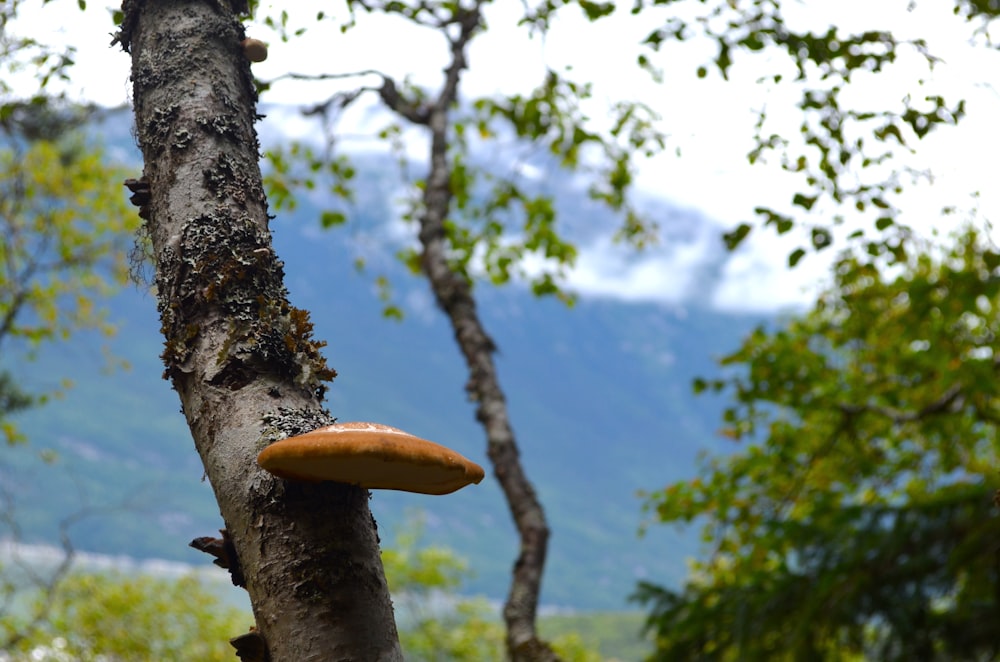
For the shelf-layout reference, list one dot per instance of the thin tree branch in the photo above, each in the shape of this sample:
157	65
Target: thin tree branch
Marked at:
454	295
48	584
324	76
945	403
405	107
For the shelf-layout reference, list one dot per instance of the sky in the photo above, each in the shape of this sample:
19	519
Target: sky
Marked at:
709	121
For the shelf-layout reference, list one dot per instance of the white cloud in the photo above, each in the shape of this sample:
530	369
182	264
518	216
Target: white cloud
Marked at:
420	304
101	73
670	273
710	121
759	281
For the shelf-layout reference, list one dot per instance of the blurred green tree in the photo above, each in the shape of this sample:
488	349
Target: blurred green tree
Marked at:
859	522
113	616
437	624
65	226
93	616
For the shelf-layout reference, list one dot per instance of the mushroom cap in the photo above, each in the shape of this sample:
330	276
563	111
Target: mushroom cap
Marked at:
371	455
254	49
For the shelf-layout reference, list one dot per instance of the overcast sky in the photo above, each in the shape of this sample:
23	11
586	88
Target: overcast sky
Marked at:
708	121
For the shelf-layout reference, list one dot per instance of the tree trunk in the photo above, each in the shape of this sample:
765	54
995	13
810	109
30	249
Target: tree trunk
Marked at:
454	295
239	355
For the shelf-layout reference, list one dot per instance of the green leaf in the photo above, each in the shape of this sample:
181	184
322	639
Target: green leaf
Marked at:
736	236
596	10
330	219
780	222
991	259
804	201
795	256
113	616
821	238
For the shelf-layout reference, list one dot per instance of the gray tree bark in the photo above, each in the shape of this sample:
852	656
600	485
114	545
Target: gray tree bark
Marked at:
241	358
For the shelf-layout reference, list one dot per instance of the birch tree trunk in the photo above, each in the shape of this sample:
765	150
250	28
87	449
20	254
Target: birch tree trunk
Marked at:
239	355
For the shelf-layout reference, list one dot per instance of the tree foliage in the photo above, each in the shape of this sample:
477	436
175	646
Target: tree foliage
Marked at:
434	623
437	623
478	217
112	615
501	225
20	53
64	225
490	223
98	616
858	520
846	150
64	232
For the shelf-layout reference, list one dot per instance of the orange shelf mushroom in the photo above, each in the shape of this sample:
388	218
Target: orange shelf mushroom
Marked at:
371	455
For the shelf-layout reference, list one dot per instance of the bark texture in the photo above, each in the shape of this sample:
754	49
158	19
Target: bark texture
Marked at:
239	355
454	295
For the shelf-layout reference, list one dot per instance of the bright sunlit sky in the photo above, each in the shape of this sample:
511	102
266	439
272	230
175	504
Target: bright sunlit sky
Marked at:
709	121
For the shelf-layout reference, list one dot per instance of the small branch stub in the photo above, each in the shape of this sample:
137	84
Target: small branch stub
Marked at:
141	195
373	456
224	552
250	647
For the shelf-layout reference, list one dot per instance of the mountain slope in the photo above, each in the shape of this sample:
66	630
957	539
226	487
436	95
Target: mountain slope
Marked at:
599	397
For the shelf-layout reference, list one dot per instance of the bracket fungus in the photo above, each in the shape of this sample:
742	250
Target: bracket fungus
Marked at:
254	50
370	455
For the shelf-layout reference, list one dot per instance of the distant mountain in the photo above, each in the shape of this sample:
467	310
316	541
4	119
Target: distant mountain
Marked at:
599	394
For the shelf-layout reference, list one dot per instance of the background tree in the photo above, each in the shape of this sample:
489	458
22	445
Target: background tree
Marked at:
848	153
532	107
103	616
875	546
64	229
64	240
12	400
137	616
64	235
471	217
860	523
435	623
474	219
